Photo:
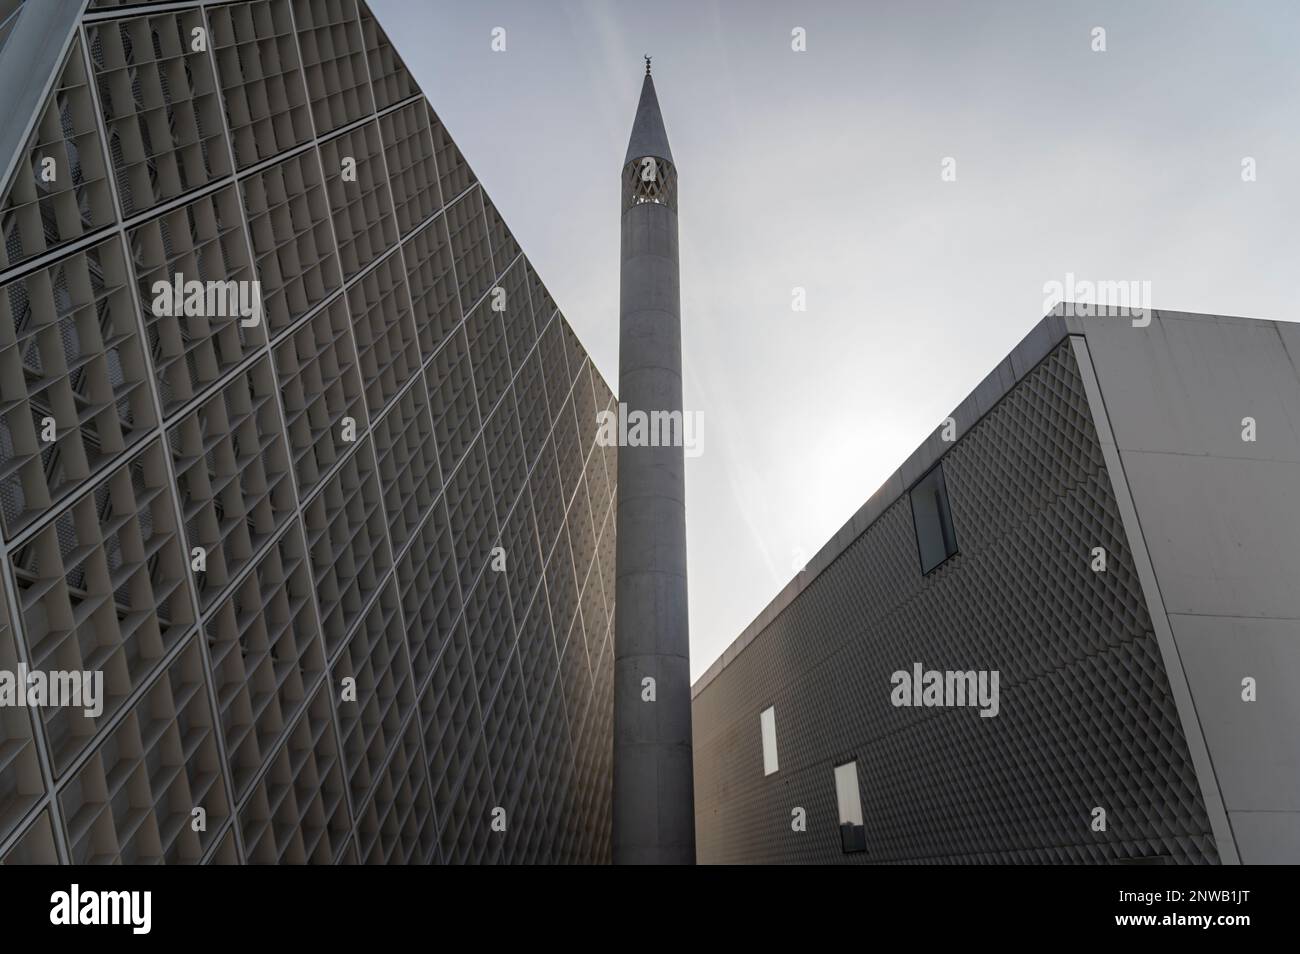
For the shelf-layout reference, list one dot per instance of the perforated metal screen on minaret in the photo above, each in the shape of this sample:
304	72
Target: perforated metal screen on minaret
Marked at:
653	787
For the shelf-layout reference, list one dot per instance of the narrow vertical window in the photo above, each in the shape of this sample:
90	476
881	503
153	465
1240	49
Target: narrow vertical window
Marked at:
932	519
853	836
767	721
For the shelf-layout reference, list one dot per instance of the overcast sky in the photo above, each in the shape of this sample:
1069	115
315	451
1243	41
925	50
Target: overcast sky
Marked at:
821	170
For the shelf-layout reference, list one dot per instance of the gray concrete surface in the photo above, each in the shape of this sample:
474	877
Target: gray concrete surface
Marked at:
1209	521
1220	519
653	778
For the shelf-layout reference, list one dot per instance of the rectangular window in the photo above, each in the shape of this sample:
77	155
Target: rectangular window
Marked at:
853	836
767	721
933	520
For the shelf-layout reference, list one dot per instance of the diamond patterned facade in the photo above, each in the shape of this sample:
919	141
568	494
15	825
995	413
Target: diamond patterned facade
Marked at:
354	467
1087	717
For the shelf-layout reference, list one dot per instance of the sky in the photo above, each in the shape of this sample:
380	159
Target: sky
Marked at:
822	170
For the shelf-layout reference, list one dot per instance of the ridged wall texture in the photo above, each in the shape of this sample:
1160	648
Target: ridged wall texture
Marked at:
1086	716
330	555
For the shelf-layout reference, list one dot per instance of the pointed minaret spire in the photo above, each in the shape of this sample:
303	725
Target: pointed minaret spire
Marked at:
654	814
648	135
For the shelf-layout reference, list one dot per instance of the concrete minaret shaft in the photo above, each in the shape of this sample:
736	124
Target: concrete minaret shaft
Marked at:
654	813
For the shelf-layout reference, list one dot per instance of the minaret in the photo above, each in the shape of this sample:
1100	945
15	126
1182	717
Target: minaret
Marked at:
654	792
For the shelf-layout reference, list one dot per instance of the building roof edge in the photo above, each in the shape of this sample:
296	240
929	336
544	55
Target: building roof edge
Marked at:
1045	335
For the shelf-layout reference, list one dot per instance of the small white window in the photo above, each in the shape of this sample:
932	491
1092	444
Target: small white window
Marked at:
846	791
852	832
767	720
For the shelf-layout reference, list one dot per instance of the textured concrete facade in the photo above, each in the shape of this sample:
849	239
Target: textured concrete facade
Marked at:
653	816
1120	689
392	477
1216	514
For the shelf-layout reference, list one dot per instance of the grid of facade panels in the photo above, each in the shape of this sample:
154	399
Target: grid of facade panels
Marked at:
347	569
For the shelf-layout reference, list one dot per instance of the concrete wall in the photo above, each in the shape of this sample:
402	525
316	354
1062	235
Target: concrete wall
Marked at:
1088	717
1220	519
652	809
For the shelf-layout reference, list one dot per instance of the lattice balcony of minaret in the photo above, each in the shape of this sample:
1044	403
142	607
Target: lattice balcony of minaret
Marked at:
649	179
